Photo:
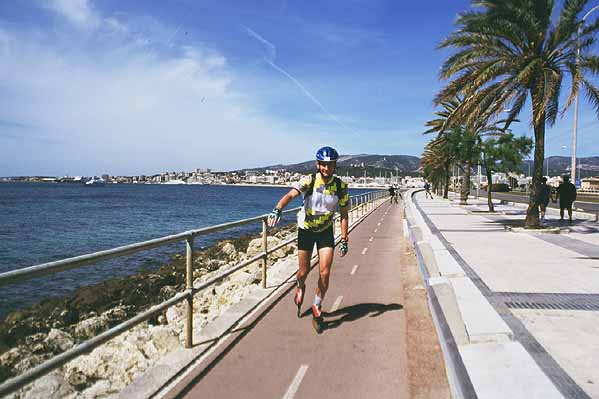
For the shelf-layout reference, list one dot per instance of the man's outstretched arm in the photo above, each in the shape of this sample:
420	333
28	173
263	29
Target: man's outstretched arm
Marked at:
275	215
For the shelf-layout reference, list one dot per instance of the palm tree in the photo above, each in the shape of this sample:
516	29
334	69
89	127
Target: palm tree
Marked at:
511	50
463	136
435	163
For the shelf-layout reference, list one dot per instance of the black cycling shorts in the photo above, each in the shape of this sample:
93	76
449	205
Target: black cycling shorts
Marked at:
323	239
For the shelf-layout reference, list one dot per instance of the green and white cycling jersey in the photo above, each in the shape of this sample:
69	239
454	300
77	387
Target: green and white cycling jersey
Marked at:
319	206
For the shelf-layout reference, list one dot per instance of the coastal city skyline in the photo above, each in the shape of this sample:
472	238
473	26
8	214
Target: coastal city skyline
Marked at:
146	87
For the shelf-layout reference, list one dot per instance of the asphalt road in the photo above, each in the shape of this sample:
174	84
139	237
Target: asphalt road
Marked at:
363	351
583	206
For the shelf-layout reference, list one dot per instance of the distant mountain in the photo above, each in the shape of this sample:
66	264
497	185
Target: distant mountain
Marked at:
381	165
589	166
357	165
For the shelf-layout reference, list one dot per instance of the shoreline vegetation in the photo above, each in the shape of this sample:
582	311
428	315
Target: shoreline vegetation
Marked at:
34	334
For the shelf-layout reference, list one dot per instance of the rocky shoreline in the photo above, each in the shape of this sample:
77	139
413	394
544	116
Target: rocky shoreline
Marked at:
30	336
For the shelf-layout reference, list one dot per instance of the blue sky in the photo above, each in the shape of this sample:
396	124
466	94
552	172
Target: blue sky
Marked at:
129	87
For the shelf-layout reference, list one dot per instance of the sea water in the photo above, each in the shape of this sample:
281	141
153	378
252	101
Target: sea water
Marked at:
44	222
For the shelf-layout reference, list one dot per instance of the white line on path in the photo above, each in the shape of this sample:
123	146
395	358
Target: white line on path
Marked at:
370	239
336	304
364	251
375	230
296	382
353	270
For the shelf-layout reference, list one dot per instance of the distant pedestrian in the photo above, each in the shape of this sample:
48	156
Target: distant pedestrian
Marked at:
392	194
427	190
544	197
566	192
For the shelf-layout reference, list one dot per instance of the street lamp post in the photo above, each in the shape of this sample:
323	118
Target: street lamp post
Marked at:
575	127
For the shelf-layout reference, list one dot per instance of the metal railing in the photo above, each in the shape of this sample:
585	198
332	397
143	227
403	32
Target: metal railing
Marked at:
360	205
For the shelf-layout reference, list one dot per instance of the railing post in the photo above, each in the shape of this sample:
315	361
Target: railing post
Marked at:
362	202
189	287
359	210
264	248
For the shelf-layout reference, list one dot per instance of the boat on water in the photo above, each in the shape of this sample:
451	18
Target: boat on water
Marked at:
175	181
95	181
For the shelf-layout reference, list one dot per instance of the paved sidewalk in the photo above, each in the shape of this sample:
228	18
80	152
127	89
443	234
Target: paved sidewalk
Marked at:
528	302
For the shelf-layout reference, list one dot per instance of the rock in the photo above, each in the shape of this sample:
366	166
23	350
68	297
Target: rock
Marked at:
214	264
101	389
168	291
163	338
118	362
162	320
34	339
255	246
52	385
229	250
172	314
27	363
39	348
256	276
149	350
91	327
116	315
242	277
220	289
10	358
77	379
59	341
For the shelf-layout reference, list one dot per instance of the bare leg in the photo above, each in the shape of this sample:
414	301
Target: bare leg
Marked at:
303	257
325	260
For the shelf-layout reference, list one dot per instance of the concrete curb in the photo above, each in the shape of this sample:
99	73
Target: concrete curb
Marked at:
489	354
446	315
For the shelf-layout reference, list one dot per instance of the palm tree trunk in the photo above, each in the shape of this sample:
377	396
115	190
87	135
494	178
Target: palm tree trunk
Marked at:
489	174
489	185
532	212
446	187
465	185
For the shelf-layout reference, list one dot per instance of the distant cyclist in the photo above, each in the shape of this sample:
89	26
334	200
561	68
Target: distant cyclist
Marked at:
322	193
392	194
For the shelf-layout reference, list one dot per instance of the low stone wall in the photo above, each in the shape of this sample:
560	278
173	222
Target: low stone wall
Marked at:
34	335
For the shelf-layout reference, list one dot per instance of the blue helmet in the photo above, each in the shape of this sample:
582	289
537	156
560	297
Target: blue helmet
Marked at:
327	154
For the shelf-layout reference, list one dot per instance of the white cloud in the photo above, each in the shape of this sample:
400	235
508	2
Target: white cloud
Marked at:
126	107
79	12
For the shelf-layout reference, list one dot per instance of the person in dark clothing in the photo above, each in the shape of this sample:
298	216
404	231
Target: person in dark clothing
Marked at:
427	190
566	192
544	197
392	194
